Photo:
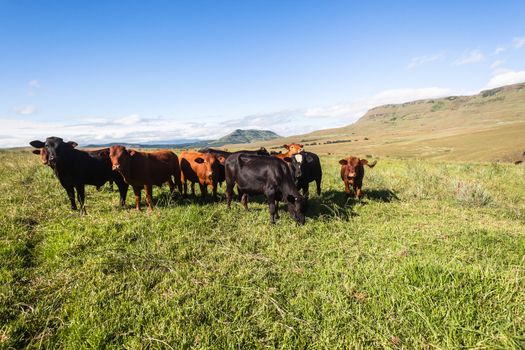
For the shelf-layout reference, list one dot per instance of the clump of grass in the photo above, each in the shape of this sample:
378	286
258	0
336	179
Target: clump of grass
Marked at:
471	193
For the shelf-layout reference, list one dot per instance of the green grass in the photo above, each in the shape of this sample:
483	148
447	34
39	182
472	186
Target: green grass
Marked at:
434	257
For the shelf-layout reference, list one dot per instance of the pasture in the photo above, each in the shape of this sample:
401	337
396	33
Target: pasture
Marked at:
432	257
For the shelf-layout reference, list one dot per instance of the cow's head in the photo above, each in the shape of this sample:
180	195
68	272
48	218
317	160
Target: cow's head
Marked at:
297	163
52	149
262	152
296	207
352	167
120	158
293	148
211	164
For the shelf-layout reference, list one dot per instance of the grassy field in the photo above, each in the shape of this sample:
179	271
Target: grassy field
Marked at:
433	257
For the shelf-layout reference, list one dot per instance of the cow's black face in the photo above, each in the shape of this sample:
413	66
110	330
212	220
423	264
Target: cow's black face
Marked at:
298	161
296	207
54	147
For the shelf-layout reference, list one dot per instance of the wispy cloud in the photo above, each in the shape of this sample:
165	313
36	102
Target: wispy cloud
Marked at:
506	78
32	86
419	60
518	42
33	83
496	64
25	110
473	56
499	50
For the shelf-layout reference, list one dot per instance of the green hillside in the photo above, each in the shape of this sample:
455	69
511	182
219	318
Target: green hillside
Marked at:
489	126
244	136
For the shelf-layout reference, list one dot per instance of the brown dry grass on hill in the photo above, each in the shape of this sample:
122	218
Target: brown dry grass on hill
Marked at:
489	126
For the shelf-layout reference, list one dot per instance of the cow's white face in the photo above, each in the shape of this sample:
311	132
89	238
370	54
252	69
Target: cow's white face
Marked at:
298	158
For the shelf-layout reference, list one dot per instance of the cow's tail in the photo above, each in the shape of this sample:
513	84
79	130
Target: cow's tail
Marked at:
371	165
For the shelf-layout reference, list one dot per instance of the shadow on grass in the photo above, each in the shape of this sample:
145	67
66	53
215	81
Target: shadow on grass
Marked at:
331	205
381	195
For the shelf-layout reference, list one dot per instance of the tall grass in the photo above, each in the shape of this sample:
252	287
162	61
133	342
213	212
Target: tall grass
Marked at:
416	264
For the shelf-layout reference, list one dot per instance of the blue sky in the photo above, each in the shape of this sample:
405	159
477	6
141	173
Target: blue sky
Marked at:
99	71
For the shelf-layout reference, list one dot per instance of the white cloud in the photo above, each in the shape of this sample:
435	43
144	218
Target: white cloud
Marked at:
129	120
518	42
506	78
33	84
499	50
419	60
496	64
25	110
469	57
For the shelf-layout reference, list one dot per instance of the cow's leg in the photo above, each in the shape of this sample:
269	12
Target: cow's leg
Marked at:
214	191
357	191
277	209
179	184
204	190
81	196
123	191
172	186
306	191
318	185
111	185
71	195
183	184
149	190
347	188
272	207
229	192
137	190
244	200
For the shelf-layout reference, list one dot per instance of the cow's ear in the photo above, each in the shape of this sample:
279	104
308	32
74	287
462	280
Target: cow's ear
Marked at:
221	159
286	146
73	144
36	151
343	162
37	144
363	162
199	160
301	146
287	159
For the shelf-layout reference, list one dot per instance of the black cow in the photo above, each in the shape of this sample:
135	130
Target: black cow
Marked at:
263	175
219	152
306	168
75	169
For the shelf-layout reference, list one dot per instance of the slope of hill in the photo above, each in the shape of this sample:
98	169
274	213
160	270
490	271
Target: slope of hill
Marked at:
489	126
244	136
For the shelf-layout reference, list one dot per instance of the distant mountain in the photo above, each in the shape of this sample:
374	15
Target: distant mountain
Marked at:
244	136
237	137
488	126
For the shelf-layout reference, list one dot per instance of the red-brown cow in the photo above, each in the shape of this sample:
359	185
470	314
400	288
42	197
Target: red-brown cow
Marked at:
292	148
201	168
352	173
145	169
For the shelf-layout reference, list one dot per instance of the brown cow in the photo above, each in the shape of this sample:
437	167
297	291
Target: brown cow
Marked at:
145	169
352	173
201	168
292	148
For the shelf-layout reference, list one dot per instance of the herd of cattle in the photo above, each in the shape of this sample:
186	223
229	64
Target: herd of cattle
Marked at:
278	176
